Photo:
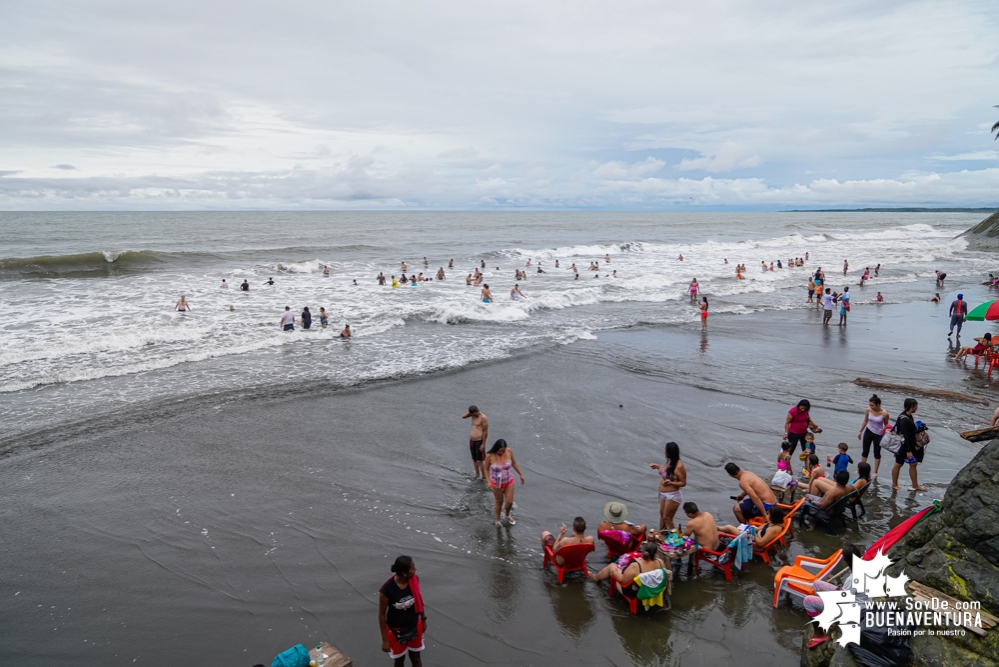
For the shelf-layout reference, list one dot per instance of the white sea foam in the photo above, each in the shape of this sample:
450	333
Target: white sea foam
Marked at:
124	325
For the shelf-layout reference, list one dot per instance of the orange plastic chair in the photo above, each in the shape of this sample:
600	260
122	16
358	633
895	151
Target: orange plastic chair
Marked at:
790	510
764	551
797	579
986	353
615	549
573	557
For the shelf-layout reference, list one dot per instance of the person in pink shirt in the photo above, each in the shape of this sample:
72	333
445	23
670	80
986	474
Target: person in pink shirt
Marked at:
798	423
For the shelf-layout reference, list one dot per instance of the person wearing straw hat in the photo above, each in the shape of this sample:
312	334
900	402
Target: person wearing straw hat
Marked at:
616	518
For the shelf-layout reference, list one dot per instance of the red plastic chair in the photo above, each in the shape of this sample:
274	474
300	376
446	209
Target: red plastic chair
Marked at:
721	559
993	363
615	549
986	353
573	558
631	599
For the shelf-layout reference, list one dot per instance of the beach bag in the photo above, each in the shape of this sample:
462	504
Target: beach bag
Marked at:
781	478
922	436
296	656
846	305
891	441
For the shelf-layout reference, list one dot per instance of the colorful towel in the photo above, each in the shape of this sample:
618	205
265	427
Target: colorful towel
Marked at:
621	537
651	586
743	545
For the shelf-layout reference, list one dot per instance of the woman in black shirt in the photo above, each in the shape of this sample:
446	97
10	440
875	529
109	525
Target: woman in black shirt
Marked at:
401	618
909	453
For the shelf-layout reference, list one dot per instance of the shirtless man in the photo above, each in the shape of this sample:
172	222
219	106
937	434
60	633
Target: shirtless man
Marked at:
404	267
756	498
182	305
616	518
440	273
814	503
477	440
578	537
487	296
381	278
346	331
702	526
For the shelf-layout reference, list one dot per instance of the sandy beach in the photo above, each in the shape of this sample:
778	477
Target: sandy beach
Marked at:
237	527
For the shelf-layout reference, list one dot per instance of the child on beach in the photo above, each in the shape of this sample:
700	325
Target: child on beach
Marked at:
842	460
815	470
784	458
809	447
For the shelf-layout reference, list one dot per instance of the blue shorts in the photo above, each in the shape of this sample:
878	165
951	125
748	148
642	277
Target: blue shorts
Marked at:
289	327
749	508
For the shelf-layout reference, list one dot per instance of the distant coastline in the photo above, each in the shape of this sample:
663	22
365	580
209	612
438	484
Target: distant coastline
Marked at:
907	209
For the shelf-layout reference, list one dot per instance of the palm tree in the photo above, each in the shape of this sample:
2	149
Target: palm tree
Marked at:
995	128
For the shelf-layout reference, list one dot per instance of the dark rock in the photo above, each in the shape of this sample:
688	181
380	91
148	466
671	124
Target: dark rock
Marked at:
984	235
956	551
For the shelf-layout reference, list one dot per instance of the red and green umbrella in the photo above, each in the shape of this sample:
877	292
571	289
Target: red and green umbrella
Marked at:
986	311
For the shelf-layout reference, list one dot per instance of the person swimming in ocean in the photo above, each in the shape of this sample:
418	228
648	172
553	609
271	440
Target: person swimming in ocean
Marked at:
381	278
487	296
245	286
326	272
270	281
323	317
515	293
346	331
224	284
395	283
182	305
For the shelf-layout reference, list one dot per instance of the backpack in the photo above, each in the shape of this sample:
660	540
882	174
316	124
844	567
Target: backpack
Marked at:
922	436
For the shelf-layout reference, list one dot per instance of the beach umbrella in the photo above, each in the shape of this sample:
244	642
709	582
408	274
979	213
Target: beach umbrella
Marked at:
985	311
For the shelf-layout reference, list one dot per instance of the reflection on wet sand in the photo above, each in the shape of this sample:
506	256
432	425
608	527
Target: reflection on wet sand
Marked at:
571	604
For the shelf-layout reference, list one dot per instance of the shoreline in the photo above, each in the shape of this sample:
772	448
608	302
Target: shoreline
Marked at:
301	498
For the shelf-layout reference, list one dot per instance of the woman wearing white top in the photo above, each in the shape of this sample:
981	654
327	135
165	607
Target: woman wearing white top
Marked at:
875	422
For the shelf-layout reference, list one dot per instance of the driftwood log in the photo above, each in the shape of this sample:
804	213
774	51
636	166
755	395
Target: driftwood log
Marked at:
920	391
980	434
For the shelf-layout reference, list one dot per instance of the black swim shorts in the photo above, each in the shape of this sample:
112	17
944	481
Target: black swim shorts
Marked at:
475	447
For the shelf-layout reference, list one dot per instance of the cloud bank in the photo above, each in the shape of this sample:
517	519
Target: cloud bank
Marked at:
113	105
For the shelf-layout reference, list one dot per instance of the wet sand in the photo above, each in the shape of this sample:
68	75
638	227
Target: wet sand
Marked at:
235	529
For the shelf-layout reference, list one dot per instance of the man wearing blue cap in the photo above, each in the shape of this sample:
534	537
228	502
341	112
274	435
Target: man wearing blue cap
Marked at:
958	310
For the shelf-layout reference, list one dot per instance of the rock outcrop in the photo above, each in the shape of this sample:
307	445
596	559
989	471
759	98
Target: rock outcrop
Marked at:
956	551
984	235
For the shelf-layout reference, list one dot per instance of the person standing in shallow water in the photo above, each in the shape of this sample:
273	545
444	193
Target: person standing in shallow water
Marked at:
402	619
909	452
501	463
844	306
477	439
797	423
703	305
672	479
872	430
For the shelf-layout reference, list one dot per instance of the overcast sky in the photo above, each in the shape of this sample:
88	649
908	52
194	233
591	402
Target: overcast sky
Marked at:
539	104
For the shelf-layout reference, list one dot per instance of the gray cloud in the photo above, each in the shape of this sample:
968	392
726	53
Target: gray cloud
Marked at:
439	104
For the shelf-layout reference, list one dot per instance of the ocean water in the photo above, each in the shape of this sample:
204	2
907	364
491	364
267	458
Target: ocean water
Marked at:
90	327
179	487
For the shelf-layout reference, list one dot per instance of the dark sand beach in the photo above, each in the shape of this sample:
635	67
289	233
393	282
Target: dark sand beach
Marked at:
233	528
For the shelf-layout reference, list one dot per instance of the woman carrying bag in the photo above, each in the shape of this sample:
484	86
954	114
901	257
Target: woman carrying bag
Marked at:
912	447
